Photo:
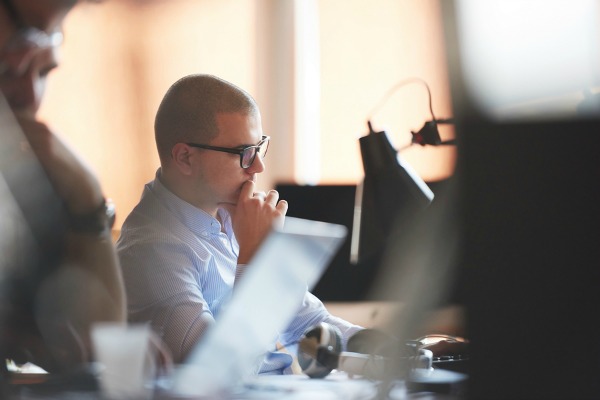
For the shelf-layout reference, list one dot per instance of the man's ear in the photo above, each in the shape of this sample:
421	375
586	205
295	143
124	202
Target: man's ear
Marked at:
181	155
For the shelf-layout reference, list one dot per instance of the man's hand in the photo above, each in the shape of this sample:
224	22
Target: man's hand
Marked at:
253	218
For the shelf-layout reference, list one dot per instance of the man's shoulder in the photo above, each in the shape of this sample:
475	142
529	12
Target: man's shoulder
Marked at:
152	230
139	230
152	247
144	235
148	218
149	222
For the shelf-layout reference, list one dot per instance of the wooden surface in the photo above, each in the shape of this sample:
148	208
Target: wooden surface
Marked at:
377	314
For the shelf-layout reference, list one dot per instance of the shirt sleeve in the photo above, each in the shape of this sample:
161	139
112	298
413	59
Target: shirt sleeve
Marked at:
163	288
311	312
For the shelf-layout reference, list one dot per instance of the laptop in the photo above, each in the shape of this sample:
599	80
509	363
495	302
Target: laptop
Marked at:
264	302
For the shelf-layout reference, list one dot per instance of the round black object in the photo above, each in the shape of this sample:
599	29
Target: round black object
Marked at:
329	340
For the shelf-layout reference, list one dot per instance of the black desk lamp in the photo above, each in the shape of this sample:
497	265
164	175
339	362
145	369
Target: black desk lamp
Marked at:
389	193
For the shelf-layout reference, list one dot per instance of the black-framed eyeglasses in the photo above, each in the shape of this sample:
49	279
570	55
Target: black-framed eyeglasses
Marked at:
247	154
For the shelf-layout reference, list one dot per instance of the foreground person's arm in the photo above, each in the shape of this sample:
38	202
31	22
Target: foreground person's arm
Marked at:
88	286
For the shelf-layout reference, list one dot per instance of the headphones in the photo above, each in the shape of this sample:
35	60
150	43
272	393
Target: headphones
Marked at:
374	355
320	352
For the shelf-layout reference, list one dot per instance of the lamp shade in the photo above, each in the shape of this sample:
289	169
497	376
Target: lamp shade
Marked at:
391	190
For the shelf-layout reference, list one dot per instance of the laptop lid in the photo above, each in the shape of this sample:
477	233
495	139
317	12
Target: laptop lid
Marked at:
264	302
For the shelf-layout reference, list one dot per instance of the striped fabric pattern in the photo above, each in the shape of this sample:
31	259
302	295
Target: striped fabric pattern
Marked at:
180	266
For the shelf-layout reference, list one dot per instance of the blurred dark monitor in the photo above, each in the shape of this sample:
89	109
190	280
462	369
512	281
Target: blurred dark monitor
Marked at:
528	174
343	280
334	204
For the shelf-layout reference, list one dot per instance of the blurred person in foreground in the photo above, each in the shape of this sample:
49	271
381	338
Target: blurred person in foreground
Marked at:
69	278
187	243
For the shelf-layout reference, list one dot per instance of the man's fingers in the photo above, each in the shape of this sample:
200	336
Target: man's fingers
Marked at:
247	190
260	195
282	207
272	197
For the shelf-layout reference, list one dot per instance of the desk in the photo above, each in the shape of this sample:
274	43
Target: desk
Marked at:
367	314
377	314
337	386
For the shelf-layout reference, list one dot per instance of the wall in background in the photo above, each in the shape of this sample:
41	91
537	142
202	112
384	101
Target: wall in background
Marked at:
365	50
316	67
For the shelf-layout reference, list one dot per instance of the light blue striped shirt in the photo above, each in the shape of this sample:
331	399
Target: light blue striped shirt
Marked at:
180	266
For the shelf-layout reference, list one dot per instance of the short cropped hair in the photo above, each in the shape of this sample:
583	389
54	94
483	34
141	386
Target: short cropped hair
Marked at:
187	112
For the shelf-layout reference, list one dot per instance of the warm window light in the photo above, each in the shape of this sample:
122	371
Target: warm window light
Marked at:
307	93
530	59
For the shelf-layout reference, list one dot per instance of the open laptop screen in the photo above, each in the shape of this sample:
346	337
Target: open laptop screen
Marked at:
289	262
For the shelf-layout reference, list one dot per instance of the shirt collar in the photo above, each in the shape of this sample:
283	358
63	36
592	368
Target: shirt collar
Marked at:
196	219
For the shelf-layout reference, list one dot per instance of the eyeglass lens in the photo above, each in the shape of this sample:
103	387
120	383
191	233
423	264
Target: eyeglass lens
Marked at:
250	153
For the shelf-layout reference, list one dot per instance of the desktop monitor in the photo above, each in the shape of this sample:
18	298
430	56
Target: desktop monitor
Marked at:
523	78
332	203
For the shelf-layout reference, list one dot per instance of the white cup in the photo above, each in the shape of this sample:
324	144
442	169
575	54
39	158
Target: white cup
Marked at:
127	360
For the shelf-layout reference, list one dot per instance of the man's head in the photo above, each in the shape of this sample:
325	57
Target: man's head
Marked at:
29	36
189	109
199	111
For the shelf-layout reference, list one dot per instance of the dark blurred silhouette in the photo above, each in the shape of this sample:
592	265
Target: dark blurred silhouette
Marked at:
59	272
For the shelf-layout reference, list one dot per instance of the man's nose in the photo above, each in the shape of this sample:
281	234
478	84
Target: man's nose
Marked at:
257	166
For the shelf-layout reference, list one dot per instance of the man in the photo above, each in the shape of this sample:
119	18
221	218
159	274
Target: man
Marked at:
199	222
53	291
